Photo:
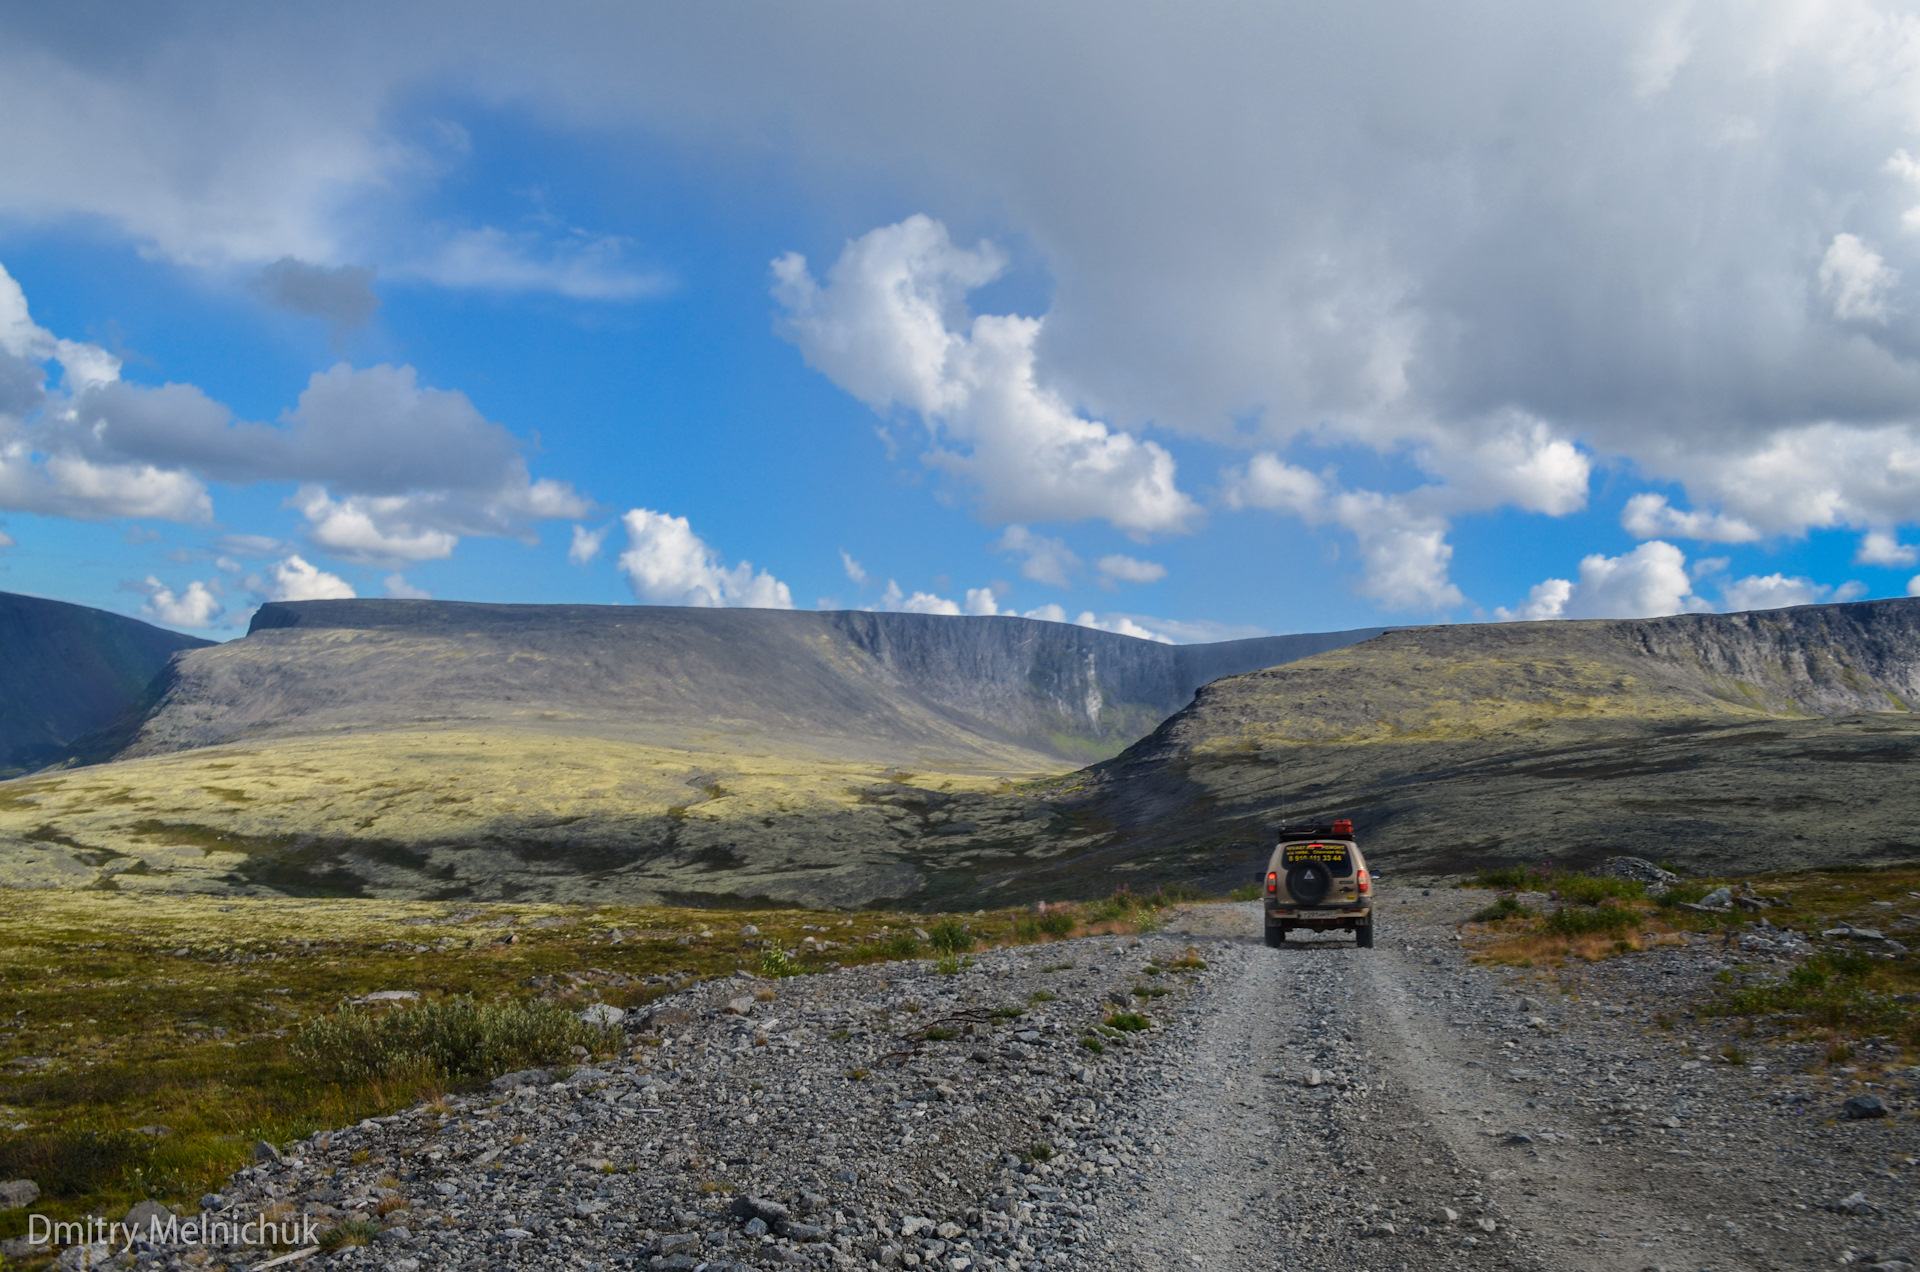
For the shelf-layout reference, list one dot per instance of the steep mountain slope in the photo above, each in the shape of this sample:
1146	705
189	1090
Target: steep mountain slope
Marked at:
429	748
67	671
1750	741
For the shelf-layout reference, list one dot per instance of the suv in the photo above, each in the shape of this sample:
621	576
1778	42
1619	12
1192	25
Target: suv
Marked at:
1317	879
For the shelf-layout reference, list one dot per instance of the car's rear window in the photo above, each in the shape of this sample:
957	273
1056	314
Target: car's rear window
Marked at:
1334	856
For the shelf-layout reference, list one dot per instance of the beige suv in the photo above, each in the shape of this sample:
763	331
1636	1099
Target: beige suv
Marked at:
1318	880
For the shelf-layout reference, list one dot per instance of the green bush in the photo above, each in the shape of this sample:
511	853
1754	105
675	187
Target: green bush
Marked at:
459	1042
950	936
1246	892
1593	889
1504	908
1129	1022
1056	923
1584	920
900	945
775	962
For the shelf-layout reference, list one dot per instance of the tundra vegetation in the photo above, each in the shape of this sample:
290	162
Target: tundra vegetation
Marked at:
1848	992
147	1041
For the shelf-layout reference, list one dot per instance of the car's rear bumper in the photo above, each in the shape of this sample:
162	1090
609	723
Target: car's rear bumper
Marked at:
1322	917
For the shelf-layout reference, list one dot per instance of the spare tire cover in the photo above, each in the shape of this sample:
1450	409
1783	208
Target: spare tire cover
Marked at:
1309	882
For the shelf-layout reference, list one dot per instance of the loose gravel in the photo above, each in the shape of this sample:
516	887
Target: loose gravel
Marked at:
1313	1107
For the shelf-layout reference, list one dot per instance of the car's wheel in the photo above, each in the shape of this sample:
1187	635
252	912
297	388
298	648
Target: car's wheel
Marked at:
1276	936
1364	935
1309	882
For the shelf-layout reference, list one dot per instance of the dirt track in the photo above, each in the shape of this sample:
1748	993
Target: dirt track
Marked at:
1429	1076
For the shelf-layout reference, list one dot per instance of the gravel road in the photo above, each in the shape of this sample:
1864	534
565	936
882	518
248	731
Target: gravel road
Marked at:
1316	1107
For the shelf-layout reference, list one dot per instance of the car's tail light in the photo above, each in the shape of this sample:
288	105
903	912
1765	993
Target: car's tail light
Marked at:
1366	883
1273	881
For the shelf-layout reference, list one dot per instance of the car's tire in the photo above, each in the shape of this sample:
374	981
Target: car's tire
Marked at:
1363	935
1276	936
1309	882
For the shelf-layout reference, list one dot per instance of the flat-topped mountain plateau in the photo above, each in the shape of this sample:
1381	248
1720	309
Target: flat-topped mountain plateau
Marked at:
427	749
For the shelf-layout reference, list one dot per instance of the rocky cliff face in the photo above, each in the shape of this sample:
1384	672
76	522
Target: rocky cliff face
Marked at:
880	684
67	671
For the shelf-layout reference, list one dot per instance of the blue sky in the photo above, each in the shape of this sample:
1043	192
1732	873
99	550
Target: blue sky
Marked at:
1192	329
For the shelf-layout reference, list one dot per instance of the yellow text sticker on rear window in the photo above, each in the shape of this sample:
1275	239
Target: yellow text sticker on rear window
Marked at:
1332	854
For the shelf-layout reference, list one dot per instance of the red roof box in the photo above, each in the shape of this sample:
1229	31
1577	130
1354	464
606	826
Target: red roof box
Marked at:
1343	827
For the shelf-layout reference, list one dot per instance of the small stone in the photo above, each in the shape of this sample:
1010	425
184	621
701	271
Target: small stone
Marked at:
679	1242
1449	1215
1518	1137
17	1193
1717	898
144	1214
1856	1204
756	1227
1860	1107
265	1152
767	1211
801	1231
603	1015
749	930
742	1006
212	1201
522	1078
1314	1077
948	1230
1486	1224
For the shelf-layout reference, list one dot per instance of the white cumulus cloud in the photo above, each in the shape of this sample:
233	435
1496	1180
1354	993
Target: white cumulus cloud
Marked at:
398	588
1047	560
296	579
1403	545
1779	591
666	563
196	607
854	569
1649	516
586	544
890	327
1881	547
1649	582
1126	569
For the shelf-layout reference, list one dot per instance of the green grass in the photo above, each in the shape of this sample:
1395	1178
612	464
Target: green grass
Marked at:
221	1019
1584	920
456	1043
1128	1022
1504	908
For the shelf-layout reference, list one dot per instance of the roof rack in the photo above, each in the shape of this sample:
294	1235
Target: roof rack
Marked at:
1340	829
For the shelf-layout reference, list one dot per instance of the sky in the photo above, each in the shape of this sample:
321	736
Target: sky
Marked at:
1191	322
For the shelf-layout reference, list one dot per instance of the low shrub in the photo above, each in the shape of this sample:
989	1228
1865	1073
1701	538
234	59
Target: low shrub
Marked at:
459	1042
775	961
900	945
1583	920
1128	1022
1593	889
1246	892
950	936
1505	908
1056	923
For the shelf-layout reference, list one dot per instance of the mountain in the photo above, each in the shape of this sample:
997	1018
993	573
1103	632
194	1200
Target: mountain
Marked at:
67	671
444	749
1720	743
